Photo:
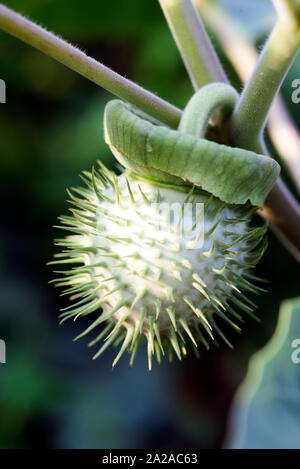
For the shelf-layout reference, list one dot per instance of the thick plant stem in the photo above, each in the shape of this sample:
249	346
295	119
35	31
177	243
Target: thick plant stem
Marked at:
285	138
243	56
250	115
288	9
192	40
252	110
78	61
283	211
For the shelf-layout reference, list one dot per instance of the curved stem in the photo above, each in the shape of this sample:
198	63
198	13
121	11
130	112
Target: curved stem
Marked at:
288	9
285	138
283	211
78	61
243	56
281	208
192	40
250	115
212	97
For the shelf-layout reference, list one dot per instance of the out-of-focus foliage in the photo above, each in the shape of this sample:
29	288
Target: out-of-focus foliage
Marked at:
266	413
51	393
255	16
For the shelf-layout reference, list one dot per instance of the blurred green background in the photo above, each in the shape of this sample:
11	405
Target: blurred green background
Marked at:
52	395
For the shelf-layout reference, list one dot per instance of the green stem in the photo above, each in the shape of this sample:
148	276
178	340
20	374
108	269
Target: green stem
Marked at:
288	9
192	40
281	208
283	212
252	109
78	61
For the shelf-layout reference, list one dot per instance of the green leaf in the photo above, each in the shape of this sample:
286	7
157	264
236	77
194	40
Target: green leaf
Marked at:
266	411
234	175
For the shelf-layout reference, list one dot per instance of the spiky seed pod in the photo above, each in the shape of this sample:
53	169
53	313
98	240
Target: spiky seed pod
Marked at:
143	277
148	271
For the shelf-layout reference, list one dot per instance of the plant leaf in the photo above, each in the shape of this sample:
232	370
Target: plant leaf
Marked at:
234	175
266	411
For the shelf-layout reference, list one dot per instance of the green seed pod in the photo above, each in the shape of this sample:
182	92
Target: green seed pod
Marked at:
159	254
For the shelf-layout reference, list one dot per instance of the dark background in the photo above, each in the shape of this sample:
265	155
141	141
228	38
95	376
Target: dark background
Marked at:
52	395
